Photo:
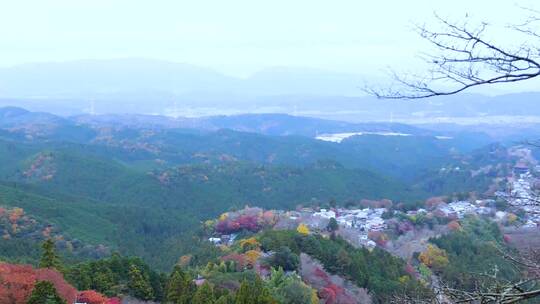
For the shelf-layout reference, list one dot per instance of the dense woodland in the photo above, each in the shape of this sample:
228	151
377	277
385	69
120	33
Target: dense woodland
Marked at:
126	210
144	191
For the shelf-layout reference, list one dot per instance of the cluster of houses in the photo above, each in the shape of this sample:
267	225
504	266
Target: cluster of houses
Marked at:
360	222
362	219
366	219
224	239
460	209
357	222
522	196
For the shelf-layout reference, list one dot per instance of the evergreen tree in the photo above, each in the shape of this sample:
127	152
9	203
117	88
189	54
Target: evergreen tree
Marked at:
204	295
285	258
244	295
49	258
254	293
180	287
139	284
226	299
332	225
44	292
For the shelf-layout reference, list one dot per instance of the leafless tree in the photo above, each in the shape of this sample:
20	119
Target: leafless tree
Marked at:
465	58
492	289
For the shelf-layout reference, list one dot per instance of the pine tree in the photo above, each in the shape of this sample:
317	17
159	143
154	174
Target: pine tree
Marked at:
49	258
254	293
44	292
244	295
263	293
180	287
204	295
139	284
226	299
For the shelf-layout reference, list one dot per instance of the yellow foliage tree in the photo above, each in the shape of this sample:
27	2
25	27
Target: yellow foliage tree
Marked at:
250	244
434	257
511	218
404	279
314	297
252	256
303	229
223	216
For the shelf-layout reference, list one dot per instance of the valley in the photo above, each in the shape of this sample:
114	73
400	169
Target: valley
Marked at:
149	187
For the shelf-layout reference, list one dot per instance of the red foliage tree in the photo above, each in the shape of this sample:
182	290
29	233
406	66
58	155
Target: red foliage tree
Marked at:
17	283
238	259
114	301
64	289
328	295
454	225
321	274
247	222
92	297
433	202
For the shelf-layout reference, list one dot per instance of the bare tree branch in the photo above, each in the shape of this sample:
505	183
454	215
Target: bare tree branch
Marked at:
466	59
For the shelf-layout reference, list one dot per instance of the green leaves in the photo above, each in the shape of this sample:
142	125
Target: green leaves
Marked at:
139	284
49	258
44	292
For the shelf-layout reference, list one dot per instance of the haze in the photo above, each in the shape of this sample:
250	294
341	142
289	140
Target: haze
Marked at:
224	54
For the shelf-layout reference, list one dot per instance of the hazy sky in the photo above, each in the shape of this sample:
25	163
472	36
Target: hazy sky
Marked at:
236	37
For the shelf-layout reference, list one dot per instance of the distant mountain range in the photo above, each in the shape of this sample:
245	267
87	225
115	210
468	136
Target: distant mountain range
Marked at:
267	124
140	86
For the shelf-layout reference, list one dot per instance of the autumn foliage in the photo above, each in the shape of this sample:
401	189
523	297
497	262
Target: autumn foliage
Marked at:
251	219
238	259
303	229
244	222
17	282
92	297
434	257
378	237
454	225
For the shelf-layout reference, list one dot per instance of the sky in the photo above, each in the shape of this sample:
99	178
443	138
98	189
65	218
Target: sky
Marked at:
236	37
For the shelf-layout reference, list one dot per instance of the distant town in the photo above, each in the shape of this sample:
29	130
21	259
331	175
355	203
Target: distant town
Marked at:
516	206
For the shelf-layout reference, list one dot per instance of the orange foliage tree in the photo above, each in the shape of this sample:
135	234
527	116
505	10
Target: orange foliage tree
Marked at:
454	225
249	244
252	256
434	257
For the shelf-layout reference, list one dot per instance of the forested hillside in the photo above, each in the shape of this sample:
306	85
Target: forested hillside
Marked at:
144	190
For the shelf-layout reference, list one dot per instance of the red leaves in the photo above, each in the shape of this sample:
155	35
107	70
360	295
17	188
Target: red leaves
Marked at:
321	274
247	222
454	225
239	259
17	282
114	301
93	297
64	289
328	294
